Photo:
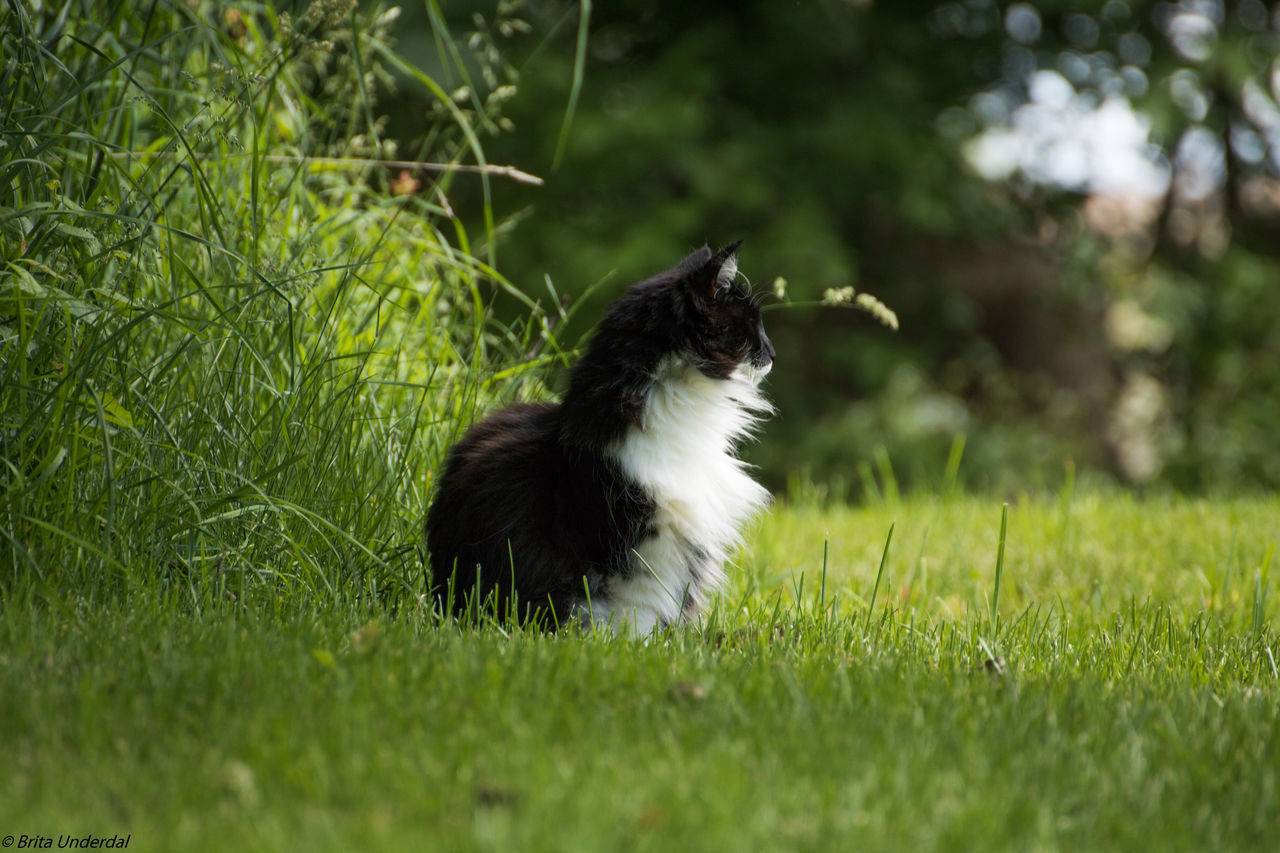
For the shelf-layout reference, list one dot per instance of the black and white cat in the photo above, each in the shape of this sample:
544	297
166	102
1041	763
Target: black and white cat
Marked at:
619	505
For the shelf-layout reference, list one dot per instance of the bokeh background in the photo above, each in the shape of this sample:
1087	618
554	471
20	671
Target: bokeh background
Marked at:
1074	209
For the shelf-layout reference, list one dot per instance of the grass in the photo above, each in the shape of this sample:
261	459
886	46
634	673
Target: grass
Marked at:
1126	698
232	353
233	345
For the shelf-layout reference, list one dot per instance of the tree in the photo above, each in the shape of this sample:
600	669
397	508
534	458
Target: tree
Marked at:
1047	317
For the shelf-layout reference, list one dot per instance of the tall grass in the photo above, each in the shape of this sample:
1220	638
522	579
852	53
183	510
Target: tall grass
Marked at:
227	367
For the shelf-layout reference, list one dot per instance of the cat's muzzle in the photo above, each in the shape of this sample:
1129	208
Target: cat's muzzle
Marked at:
753	372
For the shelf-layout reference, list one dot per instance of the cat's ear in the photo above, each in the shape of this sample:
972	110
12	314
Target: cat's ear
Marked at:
717	272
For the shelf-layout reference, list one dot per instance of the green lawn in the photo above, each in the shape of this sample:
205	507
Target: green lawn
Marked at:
1124	696
228	373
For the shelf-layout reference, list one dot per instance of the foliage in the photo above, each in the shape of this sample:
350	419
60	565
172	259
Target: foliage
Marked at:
231	347
1123	696
1186	271
837	139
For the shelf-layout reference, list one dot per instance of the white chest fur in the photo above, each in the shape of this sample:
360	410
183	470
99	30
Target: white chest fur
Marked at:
683	455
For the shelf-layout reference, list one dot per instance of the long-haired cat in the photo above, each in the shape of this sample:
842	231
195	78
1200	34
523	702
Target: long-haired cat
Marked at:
619	505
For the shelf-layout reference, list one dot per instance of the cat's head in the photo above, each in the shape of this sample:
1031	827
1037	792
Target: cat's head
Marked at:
695	315
723	333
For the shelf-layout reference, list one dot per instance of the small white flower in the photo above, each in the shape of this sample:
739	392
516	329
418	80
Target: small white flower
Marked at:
837	296
878	309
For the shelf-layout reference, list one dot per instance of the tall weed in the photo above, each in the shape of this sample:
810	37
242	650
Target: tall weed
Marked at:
232	346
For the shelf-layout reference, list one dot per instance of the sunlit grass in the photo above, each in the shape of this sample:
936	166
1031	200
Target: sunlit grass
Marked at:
1094	550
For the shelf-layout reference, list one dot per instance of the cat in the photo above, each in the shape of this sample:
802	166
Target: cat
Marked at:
619	505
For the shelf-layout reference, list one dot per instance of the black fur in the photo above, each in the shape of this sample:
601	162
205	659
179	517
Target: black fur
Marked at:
530	500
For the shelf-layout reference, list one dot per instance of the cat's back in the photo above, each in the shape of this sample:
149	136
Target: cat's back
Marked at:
487	506
498	454
521	427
